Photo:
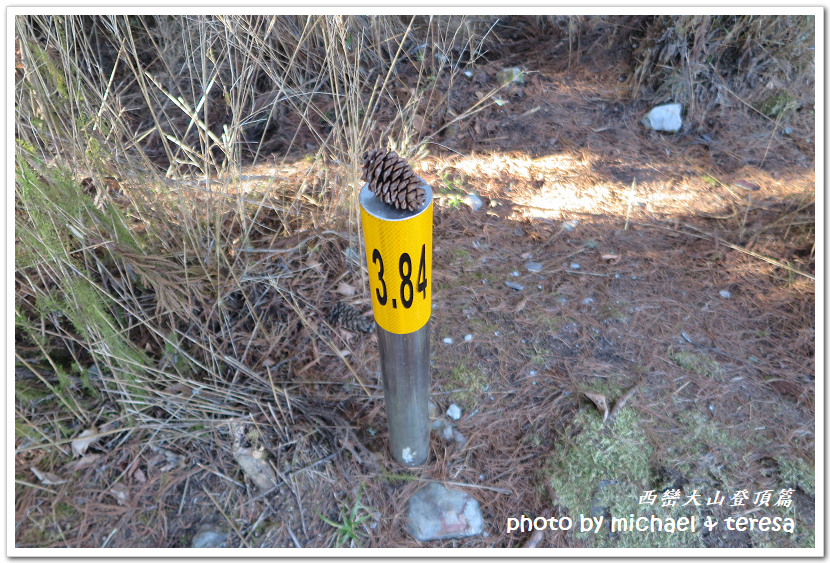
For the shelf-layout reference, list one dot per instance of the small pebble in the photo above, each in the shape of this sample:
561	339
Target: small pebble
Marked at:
516	286
539	286
570	224
587	301
496	333
468	337
514	274
447	340
617	276
533	266
574	266
725	294
532	372
454	412
533	383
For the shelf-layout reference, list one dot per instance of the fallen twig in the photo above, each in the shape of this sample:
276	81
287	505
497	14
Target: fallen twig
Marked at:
620	403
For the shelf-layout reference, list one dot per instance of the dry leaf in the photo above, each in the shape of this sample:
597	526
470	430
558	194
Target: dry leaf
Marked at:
418	123
251	460
85	461
139	476
268	363
521	305
83	441
173	460
601	402
120	492
345	289
749	186
47	478
612	257
314	264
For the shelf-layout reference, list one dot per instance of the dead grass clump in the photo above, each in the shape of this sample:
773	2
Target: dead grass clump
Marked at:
707	61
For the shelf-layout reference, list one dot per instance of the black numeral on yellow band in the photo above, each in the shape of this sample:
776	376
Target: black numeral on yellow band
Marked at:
422	271
408	290
375	259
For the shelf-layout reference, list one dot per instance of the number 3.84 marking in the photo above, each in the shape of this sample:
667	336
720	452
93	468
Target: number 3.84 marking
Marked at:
405	270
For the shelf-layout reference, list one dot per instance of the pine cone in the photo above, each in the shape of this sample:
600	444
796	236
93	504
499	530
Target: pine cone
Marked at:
392	180
350	319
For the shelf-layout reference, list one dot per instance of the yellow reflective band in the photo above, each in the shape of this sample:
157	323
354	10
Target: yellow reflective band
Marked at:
399	257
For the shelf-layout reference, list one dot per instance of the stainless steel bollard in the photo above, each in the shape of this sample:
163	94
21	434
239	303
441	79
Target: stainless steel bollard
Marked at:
399	258
404	363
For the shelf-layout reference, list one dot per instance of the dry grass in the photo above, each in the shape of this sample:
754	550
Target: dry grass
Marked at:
184	286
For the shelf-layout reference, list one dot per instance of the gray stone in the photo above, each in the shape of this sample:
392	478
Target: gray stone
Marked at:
438	513
442	428
533	266
433	409
209	536
513	285
454	412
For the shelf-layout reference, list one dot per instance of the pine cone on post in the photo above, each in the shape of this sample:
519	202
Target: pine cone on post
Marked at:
392	180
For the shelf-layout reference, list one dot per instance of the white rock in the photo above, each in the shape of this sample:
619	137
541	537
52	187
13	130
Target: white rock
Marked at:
725	294
454	412
515	274
473	201
664	118
587	301
574	266
533	266
447	340
468	337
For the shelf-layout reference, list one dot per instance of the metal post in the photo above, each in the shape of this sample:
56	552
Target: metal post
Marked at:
399	258
404	363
